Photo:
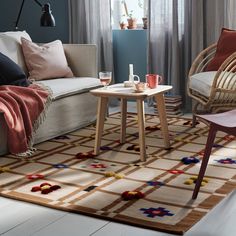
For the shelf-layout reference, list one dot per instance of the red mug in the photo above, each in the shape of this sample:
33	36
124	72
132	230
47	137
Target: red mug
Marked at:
153	80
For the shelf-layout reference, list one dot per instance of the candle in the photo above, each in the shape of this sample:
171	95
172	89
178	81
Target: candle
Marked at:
131	69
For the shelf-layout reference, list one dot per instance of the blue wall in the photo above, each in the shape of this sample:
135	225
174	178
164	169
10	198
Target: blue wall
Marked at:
30	19
129	47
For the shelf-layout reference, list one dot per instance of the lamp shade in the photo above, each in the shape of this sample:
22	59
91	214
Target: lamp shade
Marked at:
47	18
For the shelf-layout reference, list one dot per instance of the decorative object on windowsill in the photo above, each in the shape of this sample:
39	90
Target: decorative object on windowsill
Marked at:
46	20
144	5
145	22
123	25
132	21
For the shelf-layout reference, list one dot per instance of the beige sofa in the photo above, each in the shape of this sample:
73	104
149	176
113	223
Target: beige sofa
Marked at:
73	106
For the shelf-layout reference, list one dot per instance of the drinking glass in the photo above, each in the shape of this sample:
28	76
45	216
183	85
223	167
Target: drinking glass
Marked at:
105	78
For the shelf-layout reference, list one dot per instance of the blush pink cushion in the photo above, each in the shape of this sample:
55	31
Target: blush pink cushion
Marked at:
46	61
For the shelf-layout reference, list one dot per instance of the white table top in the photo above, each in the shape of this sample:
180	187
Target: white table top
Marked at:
118	90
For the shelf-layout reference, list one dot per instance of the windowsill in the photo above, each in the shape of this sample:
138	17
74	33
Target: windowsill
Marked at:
138	29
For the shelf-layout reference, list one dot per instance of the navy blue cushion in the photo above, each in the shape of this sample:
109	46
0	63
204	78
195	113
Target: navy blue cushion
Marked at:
11	73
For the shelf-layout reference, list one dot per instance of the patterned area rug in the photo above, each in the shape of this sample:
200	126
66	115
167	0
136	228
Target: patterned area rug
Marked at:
64	174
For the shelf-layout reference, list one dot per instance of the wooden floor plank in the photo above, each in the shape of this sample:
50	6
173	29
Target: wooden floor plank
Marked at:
21	218
115	229
72	224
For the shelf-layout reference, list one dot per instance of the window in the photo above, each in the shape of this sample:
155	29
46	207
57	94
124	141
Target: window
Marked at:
122	9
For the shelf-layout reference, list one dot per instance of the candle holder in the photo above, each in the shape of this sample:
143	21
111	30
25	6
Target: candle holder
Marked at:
131	82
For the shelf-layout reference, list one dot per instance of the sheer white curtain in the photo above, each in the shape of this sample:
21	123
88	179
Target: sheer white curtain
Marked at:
90	22
178	31
230	18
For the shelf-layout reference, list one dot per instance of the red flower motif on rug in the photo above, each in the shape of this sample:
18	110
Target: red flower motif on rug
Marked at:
229	138
134	147
35	176
130	195
82	155
152	128
45	188
98	165
176	172
201	153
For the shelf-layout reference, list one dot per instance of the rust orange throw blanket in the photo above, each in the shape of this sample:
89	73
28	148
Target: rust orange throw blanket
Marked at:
23	109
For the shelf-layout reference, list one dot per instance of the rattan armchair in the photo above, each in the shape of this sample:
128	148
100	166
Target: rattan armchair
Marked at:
212	91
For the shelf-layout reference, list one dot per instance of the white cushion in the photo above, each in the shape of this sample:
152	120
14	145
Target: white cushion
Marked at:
202	82
64	87
10	45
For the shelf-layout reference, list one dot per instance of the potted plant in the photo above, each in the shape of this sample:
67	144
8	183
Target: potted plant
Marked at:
123	25
132	21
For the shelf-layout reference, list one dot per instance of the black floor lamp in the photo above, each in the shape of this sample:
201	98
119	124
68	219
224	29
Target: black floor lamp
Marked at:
47	18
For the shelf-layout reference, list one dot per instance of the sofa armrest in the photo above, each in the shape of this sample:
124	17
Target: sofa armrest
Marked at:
82	59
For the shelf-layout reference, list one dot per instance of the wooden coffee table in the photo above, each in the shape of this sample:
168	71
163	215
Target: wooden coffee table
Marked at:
119	91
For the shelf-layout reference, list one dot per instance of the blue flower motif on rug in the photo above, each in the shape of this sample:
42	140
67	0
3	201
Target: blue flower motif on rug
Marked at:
216	145
61	137
135	134
153	212
189	160
104	148
226	161
155	183
60	166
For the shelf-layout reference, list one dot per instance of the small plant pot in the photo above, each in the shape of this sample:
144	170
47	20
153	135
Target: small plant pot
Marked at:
123	25
132	23
145	22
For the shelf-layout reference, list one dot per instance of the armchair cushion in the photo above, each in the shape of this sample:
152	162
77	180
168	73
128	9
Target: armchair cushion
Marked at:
202	82
226	45
47	61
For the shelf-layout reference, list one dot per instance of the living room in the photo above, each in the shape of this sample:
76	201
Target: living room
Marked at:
88	194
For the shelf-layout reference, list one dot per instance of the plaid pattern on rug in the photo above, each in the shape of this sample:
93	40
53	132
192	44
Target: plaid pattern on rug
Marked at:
115	185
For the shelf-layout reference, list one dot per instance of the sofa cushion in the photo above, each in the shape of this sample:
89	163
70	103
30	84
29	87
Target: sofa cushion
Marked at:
11	73
62	87
46	61
10	45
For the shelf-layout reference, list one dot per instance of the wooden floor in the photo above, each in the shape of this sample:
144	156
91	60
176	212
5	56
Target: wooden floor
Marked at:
24	219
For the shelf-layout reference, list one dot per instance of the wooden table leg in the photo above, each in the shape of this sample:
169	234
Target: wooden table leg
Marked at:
163	120
101	114
123	119
141	125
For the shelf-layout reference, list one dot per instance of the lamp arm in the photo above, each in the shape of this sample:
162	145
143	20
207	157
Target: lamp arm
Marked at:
41	5
19	14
